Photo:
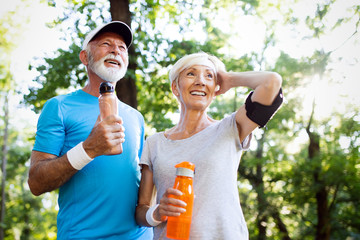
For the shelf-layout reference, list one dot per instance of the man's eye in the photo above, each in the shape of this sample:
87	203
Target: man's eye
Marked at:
210	76
190	74
106	43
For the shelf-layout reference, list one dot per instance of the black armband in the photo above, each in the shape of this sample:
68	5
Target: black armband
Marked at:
260	113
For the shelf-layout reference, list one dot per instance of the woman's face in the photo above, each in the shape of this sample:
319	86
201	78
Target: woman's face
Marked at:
196	87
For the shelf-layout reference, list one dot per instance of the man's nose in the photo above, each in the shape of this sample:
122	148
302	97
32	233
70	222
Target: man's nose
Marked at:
115	50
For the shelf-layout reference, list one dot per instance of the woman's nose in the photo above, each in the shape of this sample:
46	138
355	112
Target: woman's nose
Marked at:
200	80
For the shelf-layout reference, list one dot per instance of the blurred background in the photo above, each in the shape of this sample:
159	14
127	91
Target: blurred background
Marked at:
301	177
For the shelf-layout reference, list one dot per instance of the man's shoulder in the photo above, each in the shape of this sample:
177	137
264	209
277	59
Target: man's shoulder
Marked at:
123	107
126	106
76	96
61	97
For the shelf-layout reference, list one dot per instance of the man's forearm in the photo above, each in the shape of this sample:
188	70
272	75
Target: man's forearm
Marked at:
48	174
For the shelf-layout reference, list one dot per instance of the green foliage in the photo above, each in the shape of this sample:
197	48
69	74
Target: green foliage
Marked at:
317	24
338	174
23	212
7	44
26	217
289	182
58	73
156	100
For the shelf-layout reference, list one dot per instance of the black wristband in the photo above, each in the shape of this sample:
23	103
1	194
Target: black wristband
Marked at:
259	113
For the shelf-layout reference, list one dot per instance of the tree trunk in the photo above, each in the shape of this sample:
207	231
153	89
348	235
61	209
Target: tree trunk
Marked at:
280	224
323	228
4	151
125	88
262	217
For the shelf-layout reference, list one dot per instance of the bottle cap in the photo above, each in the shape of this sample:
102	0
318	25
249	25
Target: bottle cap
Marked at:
106	87
186	169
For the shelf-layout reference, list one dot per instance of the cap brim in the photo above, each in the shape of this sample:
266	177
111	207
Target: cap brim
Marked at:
117	27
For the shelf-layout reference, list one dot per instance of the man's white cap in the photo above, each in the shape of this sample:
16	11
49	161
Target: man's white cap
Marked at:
118	27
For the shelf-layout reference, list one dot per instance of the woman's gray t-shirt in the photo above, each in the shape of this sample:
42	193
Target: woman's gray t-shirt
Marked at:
216	153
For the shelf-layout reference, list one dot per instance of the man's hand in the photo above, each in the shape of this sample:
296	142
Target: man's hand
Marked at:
106	137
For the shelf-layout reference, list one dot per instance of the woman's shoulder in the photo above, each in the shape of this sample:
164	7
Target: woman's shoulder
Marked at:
155	137
226	121
228	118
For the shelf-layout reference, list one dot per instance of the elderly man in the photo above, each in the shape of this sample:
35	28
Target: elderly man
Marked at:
77	153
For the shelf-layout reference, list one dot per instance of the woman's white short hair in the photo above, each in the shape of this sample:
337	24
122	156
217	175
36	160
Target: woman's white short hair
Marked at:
200	58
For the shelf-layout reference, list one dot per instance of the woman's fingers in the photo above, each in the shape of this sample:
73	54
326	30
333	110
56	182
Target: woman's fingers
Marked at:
170	206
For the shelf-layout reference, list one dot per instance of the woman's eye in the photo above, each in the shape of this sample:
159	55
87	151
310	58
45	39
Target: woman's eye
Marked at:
210	75
190	74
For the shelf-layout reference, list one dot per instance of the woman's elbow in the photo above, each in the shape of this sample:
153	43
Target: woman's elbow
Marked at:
274	81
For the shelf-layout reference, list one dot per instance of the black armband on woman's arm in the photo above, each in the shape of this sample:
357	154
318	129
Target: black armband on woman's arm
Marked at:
260	113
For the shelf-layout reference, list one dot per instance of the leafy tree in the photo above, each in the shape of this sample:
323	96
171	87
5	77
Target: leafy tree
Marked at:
20	212
6	86
306	194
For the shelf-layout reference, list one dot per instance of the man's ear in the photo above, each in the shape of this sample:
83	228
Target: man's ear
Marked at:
84	57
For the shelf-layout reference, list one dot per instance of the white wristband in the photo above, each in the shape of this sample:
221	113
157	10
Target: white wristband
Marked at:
149	216
77	156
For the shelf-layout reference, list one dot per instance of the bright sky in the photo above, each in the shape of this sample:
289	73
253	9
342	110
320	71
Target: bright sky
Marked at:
39	41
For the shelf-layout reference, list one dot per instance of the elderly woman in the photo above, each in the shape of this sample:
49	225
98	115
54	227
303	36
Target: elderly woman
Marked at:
215	147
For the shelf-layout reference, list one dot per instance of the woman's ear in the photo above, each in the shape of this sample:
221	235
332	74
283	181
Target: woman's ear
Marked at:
174	88
84	57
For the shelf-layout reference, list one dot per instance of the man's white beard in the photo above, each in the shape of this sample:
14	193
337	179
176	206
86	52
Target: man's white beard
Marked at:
108	74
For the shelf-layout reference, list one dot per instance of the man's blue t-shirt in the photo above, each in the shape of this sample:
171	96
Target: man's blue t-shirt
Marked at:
99	201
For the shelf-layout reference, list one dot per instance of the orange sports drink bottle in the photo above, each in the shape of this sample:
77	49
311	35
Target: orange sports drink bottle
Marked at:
179	227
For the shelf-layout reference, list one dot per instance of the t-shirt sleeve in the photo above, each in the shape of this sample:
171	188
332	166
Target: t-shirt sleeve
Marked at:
229	124
50	134
146	155
245	145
